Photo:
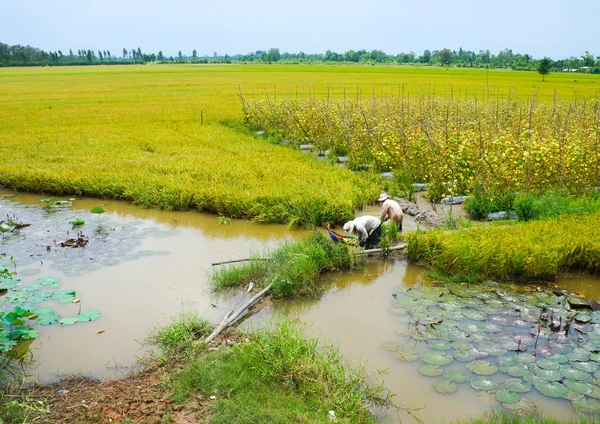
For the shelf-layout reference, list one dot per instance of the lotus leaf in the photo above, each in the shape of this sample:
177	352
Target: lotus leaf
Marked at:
434	357
77	221
456	376
508	361
585	366
406	355
595	357
597	375
88	315
586	405
429	370
440	345
398	311
390	345
459	336
548	364
574	374
68	320
526	359
445	386
98	210
505	396
551	389
549	375
578	387
48	319
482	367
481	382
420	336
465	356
517	385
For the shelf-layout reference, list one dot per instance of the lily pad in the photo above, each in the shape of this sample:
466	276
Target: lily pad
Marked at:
548	375
522	408
429	370
465	356
390	345
445	386
517	385
517	371
456	376
440	345
578	387
434	357
48	319
68	320
481	382
408	355
462	346
580	355
482	367
551	389
574	374
586	405
88	315
505	396
585	366
548	364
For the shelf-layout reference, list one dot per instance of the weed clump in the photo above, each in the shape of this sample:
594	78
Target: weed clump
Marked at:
294	269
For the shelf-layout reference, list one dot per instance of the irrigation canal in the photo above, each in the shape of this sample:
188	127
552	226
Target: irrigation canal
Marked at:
144	267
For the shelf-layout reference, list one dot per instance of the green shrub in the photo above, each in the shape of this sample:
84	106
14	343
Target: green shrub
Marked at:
479	206
527	207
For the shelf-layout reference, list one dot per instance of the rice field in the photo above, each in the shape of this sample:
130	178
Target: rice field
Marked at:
160	135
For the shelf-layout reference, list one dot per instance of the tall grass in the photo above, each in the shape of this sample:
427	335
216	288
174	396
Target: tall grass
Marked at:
531	251
294	268
279	376
500	417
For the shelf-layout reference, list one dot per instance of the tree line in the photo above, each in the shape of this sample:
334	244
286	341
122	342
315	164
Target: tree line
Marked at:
18	55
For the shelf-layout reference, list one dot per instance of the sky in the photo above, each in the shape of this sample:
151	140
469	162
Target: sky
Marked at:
557	29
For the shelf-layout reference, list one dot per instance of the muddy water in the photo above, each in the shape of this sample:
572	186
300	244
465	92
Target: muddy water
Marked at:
135	296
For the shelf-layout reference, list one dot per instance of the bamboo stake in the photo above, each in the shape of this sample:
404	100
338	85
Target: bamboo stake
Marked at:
239	260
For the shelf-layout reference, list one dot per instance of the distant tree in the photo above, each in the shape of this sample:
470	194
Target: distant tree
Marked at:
426	58
194	55
274	55
160	56
124	53
544	67
180	56
588	59
100	55
446	57
89	56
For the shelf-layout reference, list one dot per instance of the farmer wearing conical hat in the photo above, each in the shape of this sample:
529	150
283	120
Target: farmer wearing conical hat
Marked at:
367	228
390	209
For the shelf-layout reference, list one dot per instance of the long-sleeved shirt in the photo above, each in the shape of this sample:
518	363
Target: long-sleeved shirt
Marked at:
390	209
365	225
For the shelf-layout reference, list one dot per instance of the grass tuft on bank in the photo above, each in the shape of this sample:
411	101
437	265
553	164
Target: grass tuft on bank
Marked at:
278	375
530	251
294	268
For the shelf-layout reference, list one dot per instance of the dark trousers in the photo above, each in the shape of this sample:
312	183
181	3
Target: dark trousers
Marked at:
374	238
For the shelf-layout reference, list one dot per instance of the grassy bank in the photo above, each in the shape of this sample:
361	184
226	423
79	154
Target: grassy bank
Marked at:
500	417
531	251
294	268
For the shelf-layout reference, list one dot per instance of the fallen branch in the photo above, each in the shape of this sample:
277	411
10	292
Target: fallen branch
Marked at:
239	260
397	247
230	319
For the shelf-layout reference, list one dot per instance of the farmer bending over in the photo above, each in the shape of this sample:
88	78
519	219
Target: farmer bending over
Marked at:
390	209
367	228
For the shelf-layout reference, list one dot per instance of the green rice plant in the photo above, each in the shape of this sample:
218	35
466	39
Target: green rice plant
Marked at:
294	268
22	409
279	375
535	250
389	235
